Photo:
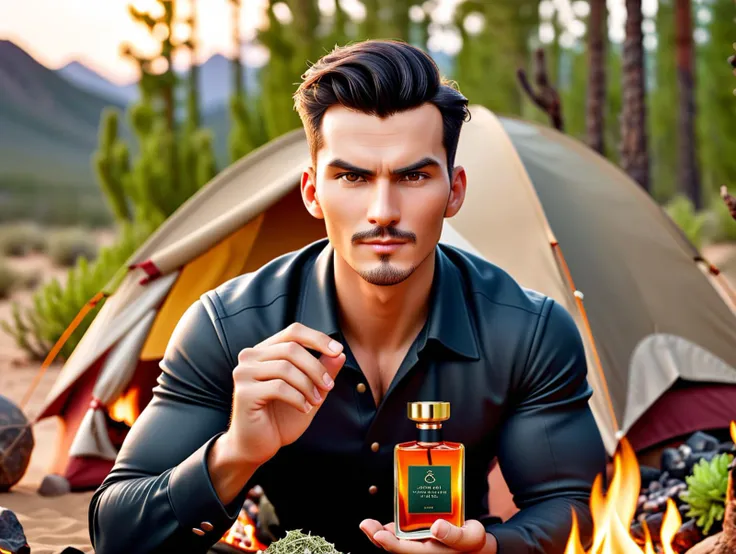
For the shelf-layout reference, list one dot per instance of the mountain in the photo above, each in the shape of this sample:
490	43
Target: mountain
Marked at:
84	77
49	126
215	82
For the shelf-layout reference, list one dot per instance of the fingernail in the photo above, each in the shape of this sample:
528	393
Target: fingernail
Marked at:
442	529
307	407
335	346
328	380
317	395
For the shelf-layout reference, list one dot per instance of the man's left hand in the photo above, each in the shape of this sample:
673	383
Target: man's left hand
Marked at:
447	538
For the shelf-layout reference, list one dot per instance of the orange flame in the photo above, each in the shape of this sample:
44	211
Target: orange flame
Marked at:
733	431
3	551
242	535
125	408
613	512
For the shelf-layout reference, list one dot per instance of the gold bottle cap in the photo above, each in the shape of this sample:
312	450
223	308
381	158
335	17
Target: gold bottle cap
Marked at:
428	412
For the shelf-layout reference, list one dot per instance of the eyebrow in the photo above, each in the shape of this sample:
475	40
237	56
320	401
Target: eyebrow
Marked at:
347	166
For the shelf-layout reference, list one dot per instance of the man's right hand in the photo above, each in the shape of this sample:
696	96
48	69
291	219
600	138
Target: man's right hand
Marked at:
276	384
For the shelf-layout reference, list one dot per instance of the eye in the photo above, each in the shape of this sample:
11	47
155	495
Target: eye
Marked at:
415	176
350	177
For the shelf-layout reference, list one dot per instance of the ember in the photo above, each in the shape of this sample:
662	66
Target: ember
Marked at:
242	535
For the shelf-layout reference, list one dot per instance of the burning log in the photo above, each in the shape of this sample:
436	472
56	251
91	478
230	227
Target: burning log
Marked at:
12	538
546	98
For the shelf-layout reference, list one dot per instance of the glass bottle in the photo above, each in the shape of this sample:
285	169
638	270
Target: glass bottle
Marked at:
429	475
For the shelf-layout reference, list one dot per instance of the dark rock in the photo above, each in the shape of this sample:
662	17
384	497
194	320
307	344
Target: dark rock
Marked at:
664	477
54	485
654	522
16	444
12	537
727	448
655	486
673	462
687	536
702	442
648	474
695	457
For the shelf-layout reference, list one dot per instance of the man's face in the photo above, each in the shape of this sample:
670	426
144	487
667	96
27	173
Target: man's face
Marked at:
383	180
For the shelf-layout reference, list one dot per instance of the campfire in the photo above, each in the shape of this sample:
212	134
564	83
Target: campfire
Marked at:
242	535
614	511
125	409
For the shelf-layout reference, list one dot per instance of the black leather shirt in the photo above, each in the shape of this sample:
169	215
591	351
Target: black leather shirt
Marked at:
509	360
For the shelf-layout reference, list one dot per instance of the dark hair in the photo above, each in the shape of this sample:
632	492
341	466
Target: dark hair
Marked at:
379	77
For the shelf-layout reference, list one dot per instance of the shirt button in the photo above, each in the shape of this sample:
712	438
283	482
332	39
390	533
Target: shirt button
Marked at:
375	446
197	531
206	526
361	387
373	489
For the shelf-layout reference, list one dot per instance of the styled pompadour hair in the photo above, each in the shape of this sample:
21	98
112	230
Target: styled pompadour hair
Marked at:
379	77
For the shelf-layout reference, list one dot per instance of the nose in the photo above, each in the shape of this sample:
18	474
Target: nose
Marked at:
384	207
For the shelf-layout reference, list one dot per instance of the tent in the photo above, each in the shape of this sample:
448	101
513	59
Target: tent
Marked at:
657	320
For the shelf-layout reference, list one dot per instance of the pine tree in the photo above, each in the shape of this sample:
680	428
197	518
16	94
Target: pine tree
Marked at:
687	169
596	96
240	140
634	148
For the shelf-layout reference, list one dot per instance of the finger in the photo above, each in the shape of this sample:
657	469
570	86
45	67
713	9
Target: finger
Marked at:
333	365
307	337
301	359
286	371
472	535
370	527
278	389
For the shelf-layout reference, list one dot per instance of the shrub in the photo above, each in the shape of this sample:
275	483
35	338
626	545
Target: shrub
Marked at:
19	239
66	246
706	491
37	328
697	226
9	279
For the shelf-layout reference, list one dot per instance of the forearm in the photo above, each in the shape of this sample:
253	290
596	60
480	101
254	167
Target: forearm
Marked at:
543	528
157	514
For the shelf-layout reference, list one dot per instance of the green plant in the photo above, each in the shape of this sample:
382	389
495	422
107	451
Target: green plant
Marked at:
37	328
66	246
695	225
296	542
19	239
706	491
9	279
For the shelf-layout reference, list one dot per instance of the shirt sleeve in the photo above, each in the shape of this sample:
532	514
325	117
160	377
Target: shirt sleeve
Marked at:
550	449
159	489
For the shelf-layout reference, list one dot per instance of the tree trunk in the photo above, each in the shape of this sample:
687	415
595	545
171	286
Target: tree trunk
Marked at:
596	101
634	154
687	165
237	45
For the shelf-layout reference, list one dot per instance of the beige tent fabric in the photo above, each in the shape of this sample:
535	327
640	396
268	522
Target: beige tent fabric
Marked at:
92	438
635	267
501	197
658	361
121	312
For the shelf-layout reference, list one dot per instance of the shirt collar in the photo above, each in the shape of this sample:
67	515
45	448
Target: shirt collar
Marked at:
449	323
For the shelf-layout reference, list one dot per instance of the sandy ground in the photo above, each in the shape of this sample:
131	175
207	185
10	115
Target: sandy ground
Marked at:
51	524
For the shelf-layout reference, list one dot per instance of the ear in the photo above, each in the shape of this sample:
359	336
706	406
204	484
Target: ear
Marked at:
309	193
457	191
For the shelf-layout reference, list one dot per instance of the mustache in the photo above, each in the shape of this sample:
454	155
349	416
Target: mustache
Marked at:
382	232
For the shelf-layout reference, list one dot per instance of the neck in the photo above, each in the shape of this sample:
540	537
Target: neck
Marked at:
383	318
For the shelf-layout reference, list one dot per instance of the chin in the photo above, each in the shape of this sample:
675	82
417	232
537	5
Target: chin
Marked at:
385	273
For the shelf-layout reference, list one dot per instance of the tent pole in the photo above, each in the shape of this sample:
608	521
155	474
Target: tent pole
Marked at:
60	343
581	308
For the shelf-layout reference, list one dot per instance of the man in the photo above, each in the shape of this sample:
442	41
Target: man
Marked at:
296	377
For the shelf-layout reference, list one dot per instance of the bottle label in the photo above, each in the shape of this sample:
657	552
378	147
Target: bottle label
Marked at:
430	490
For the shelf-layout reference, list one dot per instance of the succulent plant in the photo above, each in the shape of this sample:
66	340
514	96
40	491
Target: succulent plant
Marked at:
706	491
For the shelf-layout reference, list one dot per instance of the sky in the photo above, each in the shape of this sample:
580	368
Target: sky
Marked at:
56	32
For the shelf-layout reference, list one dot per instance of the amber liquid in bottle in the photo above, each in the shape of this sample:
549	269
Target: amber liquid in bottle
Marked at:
429	475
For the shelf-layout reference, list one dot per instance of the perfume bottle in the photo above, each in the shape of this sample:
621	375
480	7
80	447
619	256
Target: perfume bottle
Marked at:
429	475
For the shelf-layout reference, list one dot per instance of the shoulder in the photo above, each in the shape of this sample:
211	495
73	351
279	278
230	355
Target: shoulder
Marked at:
263	289
491	287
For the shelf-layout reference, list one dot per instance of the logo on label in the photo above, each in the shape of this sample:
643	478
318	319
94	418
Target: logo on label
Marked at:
429	478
